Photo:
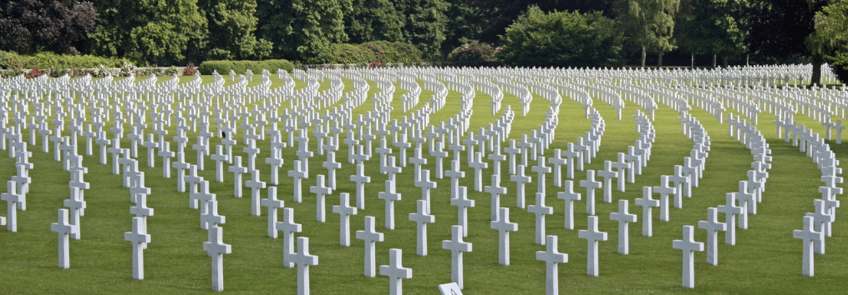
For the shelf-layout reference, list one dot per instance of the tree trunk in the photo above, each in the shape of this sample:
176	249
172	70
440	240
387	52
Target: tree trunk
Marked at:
714	61
724	61
693	61
659	60
747	59
644	56
818	61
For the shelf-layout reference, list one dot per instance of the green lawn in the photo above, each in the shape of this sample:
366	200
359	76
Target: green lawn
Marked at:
766	259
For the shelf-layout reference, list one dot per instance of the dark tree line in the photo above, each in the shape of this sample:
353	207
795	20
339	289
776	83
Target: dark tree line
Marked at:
176	31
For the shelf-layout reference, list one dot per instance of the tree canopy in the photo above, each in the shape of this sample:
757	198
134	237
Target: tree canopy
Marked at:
29	26
561	39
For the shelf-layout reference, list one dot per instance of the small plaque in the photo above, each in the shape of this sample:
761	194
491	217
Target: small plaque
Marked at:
450	289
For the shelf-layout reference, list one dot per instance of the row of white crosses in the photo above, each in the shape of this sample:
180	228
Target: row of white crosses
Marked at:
533	149
818	224
137	235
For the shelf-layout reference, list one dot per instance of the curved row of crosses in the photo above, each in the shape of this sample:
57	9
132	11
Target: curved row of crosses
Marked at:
315	119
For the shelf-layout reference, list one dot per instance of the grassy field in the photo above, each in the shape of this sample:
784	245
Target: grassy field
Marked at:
766	259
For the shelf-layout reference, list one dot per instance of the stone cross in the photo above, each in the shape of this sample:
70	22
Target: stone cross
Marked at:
320	190
216	249
369	236
664	190
210	217
689	246
647	204
395	272
821	220
551	257
557	161
570	154
624	218
569	196
390	196
503	226
139	239
809	236
417	160
608	174
75	203
478	164
360	179
303	260
141	210
425	185
272	204
747	200
220	157
590	184
712	226
520	179
166	154
540	170
495	190
288	227
540	210
237	171
462	203
455	174
592	235
12	198
255	186
623	167
64	229
422	218
457	246
151	146
297	173
344	211
331	165
730	210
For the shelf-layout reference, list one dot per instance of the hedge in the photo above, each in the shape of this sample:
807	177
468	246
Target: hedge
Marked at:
377	51
10	60
241	66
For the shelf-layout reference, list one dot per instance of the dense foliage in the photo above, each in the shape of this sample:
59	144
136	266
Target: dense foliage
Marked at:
534	32
156	31
562	39
378	51
11	60
473	52
831	37
28	26
232	25
712	27
650	25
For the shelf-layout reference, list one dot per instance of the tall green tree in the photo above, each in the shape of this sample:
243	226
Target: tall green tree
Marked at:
425	25
831	37
465	23
28	26
303	29
713	27
650	25
158	31
497	15
563	39
782	29
374	20
232	24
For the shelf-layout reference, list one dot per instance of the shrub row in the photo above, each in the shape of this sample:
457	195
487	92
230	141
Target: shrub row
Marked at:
11	60
240	67
377	51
